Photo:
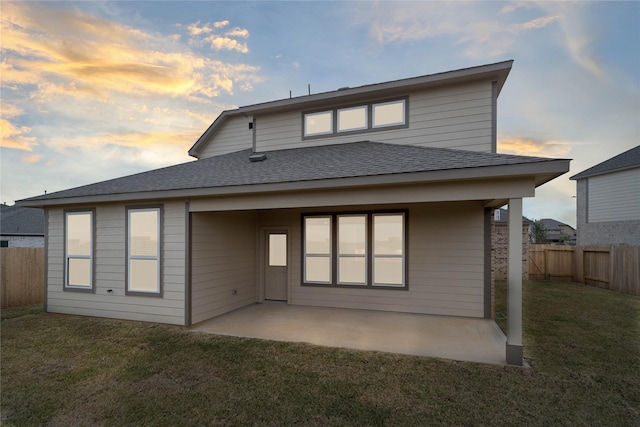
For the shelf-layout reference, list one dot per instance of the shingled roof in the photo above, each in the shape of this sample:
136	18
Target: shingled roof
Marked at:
19	221
298	165
628	160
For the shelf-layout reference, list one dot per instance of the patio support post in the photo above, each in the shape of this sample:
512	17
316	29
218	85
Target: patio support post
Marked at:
514	284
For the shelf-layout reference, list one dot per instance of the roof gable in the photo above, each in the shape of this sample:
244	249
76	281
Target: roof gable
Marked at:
628	160
491	72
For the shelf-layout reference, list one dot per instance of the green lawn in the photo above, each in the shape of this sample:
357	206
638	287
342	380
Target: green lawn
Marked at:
583	345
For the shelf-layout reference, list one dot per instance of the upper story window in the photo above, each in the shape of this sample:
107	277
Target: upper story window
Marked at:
355	119
388	114
78	249
318	123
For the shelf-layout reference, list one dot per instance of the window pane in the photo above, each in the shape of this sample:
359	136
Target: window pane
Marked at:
387	271
352	235
79	234
352	270
143	275
143	232
79	272
317	232
317	269
318	123
277	250
388	234
352	119
388	114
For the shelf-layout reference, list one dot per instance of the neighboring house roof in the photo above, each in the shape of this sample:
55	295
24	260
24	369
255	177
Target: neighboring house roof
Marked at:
330	166
497	72
551	224
501	217
20	221
628	160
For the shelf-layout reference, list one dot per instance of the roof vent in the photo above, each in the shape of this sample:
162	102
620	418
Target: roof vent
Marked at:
257	157
344	88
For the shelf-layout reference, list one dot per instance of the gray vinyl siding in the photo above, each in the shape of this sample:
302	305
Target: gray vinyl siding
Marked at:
110	263
453	117
446	263
223	249
234	136
457	117
614	196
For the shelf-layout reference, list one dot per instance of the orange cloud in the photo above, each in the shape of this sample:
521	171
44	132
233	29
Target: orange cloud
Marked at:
128	139
32	158
12	136
219	43
534	147
80	55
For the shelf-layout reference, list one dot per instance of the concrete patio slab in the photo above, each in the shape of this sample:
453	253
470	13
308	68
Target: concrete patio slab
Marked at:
456	338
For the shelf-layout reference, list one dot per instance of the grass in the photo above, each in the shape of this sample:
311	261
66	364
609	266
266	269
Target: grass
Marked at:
583	345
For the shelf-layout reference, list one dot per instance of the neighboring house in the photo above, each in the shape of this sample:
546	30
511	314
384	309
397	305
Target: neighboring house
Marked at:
500	246
375	197
608	199
21	227
558	232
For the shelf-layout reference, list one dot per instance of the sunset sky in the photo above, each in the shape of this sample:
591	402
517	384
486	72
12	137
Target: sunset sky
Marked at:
96	90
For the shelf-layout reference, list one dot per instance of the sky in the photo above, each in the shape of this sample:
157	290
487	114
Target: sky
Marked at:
97	90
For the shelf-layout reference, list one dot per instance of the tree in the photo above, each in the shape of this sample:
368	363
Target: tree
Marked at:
537	232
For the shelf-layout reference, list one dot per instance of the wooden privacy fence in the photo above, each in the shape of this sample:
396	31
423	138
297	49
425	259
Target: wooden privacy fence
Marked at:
615	267
21	276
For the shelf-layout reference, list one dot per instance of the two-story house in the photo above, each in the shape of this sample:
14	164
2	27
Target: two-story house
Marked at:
608	201
376	197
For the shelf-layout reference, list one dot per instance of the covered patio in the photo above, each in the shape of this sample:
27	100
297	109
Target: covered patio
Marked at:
447	337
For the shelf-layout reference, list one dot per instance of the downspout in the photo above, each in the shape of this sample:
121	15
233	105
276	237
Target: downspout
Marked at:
46	258
494	117
253	127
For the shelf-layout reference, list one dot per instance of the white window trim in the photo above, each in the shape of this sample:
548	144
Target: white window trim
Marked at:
90	257
157	258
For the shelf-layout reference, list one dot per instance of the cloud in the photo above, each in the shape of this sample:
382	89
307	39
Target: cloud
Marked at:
126	139
8	110
205	35
194	30
102	89
534	147
481	31
238	32
13	136
220	43
32	158
80	55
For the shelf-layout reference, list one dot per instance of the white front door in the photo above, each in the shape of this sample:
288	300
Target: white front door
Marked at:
276	268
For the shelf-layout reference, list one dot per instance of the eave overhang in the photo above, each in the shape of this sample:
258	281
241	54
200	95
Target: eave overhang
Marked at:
538	172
